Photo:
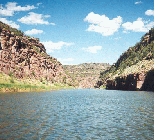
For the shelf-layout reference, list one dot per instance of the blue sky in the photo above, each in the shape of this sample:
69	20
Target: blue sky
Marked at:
80	31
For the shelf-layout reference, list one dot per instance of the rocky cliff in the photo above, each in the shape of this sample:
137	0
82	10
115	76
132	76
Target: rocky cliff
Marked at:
132	69
25	57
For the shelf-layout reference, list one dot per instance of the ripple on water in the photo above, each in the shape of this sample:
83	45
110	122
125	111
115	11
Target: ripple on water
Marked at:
77	114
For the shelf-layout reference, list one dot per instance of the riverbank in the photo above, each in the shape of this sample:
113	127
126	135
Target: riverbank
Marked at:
8	83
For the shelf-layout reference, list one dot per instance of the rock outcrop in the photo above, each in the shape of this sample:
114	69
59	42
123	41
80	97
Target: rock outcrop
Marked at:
129	82
148	84
25	57
133	82
133	69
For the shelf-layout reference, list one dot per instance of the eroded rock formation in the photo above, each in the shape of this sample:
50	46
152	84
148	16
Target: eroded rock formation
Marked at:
25	57
148	84
133	82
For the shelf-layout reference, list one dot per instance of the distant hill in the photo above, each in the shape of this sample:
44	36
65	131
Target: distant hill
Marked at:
137	60
84	75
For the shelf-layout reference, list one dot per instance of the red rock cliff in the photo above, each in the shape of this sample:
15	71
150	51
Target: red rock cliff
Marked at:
26	57
139	81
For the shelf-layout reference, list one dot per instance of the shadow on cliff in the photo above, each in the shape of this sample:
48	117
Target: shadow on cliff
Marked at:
133	82
148	84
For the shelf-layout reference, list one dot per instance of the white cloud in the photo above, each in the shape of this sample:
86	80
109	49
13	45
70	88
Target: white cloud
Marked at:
6	12
138	2
149	13
102	24
138	26
51	46
9	22
92	49
33	32
12	7
65	61
34	18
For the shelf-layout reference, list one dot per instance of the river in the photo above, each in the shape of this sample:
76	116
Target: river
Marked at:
81	114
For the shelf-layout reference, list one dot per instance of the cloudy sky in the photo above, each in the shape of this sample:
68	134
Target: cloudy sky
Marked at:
80	31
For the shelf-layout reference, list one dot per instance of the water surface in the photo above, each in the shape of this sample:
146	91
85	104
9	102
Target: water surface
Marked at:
77	114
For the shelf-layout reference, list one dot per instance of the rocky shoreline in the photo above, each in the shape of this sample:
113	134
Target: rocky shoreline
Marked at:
133	82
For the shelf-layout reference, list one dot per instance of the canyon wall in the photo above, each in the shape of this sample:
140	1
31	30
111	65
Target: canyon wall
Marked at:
25	57
134	70
133	82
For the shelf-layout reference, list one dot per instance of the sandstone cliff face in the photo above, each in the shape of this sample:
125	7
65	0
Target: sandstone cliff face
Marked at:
26	57
129	82
148	84
133	82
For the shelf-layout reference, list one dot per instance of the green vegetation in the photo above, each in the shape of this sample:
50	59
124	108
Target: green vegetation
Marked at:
136	59
36	49
9	28
8	83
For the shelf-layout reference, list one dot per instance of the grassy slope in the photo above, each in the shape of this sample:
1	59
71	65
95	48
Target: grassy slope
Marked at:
141	67
11	84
